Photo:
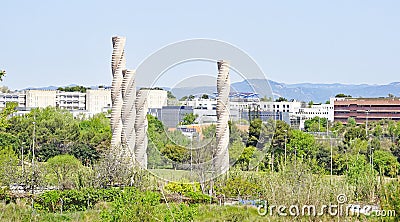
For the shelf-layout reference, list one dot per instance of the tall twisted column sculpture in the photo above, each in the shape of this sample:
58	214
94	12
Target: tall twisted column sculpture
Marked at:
141	125
221	154
118	63
128	114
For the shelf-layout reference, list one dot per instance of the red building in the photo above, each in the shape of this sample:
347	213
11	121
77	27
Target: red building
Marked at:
363	109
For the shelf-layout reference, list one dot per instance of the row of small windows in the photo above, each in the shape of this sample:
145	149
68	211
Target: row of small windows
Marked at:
313	113
10	97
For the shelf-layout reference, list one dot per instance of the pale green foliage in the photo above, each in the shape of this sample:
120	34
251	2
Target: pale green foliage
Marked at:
5	114
175	153
386	163
66	169
245	158
182	187
304	144
8	166
351	121
235	151
362	177
189	118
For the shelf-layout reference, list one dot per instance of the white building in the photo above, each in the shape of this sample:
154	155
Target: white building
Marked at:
320	110
18	97
284	106
156	99
71	100
89	103
98	100
199	103
40	98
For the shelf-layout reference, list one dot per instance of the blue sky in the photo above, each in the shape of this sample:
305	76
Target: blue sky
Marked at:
69	42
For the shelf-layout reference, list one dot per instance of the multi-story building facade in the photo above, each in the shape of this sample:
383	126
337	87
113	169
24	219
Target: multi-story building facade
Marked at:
316	110
98	100
92	102
17	97
366	109
40	98
155	98
71	100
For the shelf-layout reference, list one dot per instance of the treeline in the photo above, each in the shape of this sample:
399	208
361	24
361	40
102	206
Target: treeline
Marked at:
81	89
56	132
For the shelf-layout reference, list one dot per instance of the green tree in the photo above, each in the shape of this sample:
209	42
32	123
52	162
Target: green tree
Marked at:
386	163
189	118
5	114
9	140
254	132
66	170
304	144
81	89
351	122
177	154
8	166
170	95
353	133
341	95
361	177
2	74
265	99
209	131
378	131
53	128
245	158
204	96
316	124
282	133
94	133
86	154
281	99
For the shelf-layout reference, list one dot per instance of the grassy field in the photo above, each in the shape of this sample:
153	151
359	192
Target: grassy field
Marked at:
23	212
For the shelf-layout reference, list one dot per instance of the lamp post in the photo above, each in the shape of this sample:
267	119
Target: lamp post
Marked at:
319	125
371	153
330	140
191	156
372	158
366	124
22	158
33	159
285	144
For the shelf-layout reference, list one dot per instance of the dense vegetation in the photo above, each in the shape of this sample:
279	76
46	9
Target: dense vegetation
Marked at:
89	180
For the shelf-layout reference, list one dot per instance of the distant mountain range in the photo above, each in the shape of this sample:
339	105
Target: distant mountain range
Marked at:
316	92
302	91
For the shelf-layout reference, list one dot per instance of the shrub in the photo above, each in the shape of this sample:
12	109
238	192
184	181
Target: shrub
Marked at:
5	194
133	205
74	200
180	212
198	197
182	188
390	197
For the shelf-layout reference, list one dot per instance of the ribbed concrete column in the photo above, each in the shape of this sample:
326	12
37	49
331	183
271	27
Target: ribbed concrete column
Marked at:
221	154
118	63
141	128
128	114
